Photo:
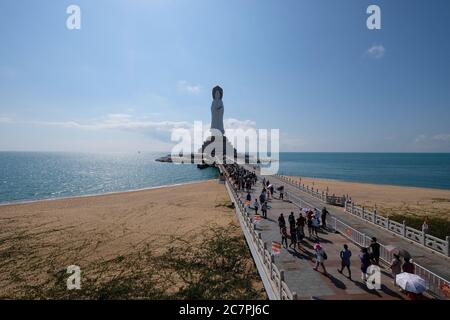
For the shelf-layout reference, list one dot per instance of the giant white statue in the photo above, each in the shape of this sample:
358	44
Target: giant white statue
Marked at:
217	110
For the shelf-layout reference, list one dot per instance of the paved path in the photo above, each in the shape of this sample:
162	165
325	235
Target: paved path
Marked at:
434	262
298	265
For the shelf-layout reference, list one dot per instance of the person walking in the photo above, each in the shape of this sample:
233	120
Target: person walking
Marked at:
284	236
375	251
281	192
281	222
293	238
321	256
324	217
256	206
291	219
262	196
301	223
248	198
264	210
365	263
408	266
345	260
396	267
315	224
309	224
425	226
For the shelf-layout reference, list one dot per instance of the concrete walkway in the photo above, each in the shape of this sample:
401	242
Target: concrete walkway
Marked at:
298	264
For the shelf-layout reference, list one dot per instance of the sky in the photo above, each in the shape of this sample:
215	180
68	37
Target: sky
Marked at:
311	68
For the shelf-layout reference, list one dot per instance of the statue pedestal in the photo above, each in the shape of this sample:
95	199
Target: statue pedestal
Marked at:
220	147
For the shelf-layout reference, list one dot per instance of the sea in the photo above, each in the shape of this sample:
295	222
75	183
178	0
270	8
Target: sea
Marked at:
30	176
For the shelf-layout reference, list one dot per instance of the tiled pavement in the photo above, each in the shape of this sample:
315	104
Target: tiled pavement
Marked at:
298	264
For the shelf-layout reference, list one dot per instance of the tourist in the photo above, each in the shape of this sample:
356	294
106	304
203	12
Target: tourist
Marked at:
248	197
264	209
375	251
425	226
271	189
293	233
284	236
281	189
309	223
365	263
396	267
321	256
324	217
345	261
256	205
281	221
262	196
291	219
408	266
301	223
315	225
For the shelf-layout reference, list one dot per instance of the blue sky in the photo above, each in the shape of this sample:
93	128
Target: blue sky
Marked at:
312	69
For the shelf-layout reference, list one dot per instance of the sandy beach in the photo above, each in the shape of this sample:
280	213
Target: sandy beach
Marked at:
40	239
389	200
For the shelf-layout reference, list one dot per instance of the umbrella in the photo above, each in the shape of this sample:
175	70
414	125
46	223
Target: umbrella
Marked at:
411	282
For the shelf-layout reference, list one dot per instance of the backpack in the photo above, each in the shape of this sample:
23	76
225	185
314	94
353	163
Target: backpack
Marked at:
325	257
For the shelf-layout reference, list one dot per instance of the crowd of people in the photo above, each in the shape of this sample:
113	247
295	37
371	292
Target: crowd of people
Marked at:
313	221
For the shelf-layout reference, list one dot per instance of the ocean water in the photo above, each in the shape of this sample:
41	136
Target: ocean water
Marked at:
26	176
429	170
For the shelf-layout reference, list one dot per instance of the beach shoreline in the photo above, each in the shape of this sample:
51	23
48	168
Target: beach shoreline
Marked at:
19	202
38	240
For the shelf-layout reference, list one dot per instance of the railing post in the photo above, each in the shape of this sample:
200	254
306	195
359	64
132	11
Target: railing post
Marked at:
375	216
363	213
272	262
447	238
424	237
281	283
353	207
404	228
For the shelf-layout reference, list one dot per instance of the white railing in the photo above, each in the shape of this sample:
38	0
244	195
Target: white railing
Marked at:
270	271
436	284
439	245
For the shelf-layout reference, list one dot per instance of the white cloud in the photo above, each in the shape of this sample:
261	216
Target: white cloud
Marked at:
376	51
421	138
443	137
239	124
5	120
118	121
186	87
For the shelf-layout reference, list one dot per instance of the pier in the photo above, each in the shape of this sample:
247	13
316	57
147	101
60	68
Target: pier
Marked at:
290	274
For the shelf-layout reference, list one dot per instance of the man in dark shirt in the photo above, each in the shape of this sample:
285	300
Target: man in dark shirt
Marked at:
375	251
